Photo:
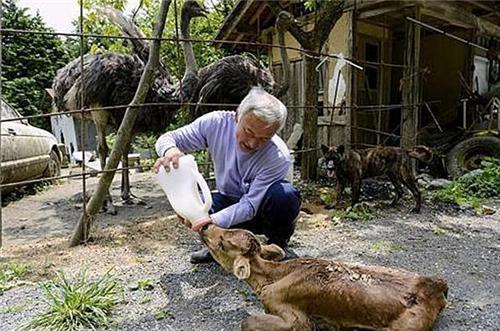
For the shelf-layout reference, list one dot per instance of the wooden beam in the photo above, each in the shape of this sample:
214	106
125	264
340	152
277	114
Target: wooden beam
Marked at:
258	12
383	11
458	17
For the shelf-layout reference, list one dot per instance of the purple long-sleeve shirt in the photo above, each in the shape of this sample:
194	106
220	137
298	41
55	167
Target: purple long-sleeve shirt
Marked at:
246	176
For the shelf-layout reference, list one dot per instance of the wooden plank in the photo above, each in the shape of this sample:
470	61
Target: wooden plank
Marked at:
337	120
452	14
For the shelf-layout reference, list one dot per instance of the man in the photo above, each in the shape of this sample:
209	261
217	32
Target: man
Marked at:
251	162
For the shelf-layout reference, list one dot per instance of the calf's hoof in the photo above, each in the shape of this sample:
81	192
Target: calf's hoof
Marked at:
201	256
416	210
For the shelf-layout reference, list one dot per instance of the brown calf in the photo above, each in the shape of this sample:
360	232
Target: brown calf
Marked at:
299	293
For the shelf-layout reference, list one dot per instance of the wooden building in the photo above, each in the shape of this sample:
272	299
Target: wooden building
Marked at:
411	72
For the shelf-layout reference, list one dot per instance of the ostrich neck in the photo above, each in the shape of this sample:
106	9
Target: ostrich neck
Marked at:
191	66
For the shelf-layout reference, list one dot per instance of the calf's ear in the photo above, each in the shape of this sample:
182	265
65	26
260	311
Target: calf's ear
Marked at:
241	267
272	252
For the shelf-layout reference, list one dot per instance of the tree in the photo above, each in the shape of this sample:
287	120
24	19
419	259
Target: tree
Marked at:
325	15
29	62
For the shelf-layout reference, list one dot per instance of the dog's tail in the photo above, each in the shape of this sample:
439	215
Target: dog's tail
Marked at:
421	153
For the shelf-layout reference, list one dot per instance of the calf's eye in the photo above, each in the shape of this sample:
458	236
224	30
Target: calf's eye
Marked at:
221	246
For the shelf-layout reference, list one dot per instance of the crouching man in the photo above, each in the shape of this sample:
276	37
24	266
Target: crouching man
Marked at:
250	161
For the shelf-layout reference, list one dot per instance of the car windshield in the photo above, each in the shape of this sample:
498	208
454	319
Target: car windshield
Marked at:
9	113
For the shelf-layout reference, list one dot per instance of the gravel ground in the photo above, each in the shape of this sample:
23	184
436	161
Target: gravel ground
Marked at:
449	242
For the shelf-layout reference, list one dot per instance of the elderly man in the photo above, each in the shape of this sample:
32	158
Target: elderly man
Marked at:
251	162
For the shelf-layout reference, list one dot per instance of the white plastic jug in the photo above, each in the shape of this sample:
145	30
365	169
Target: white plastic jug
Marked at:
181	187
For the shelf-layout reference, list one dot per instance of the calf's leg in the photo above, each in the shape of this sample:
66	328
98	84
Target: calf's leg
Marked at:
293	321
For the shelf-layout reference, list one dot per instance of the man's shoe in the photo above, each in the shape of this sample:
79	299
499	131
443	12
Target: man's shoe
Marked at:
289	254
201	256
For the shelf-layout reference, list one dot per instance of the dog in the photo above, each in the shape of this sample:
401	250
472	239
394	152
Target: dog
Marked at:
354	165
302	294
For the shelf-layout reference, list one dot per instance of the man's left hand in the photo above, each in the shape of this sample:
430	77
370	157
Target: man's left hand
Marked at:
199	225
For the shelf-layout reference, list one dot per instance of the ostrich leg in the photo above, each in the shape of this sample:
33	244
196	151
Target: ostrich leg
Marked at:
100	119
127	196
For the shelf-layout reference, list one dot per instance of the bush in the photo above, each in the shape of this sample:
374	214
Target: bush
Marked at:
472	188
77	304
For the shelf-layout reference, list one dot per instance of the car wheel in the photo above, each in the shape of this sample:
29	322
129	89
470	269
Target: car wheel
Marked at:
468	154
54	166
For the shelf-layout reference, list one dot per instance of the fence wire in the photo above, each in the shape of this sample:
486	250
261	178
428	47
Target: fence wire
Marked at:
83	111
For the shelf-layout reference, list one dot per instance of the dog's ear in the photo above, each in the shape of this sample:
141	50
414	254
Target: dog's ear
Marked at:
272	252
324	149
341	149
241	267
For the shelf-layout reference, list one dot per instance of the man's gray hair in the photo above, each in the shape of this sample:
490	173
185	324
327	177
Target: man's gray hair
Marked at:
263	105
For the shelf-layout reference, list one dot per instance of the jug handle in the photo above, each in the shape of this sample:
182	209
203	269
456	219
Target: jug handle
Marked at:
205	190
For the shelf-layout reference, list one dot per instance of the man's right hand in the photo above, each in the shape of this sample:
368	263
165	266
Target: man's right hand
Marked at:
171	158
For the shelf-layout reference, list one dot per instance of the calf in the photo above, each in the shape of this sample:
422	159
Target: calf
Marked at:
299	294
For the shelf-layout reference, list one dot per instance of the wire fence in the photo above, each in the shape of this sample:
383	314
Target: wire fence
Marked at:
85	110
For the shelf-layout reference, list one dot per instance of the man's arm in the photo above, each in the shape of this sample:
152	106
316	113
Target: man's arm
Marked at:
249	204
172	145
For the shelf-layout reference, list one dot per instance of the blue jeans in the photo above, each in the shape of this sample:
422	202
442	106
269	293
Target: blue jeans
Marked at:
276	215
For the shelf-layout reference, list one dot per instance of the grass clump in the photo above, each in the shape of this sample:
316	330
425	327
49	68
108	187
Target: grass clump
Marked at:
9	272
77	304
472	188
360	212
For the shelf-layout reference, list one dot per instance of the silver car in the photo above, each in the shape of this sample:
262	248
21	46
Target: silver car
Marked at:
27	152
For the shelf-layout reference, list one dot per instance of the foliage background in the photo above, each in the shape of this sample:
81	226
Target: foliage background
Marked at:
30	61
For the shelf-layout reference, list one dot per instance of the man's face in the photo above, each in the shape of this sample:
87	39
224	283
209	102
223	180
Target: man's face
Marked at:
252	133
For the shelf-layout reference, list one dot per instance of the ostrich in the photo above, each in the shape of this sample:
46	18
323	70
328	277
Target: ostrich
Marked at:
228	80
111	79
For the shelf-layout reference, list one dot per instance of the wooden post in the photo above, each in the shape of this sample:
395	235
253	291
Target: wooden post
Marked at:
411	85
350	77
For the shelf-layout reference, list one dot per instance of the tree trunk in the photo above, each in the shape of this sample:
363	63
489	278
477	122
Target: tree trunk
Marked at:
82	229
310	123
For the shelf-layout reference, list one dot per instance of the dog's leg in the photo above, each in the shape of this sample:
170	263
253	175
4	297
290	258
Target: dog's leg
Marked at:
397	186
409	181
356	188
292	320
338	195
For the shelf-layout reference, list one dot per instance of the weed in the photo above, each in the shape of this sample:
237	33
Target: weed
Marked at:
162	314
472	188
146	299
361	211
78	303
143	285
14	309
383	245
438	231
10	272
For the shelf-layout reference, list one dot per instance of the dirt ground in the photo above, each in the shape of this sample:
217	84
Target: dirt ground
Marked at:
146	243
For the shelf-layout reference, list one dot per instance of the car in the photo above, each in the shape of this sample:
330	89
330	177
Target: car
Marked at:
27	152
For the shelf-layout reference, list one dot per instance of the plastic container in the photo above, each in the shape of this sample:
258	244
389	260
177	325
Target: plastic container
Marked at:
182	187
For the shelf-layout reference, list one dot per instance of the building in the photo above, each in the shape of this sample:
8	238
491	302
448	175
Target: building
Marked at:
413	55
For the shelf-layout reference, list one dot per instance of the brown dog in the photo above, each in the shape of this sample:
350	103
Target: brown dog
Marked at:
302	293
354	165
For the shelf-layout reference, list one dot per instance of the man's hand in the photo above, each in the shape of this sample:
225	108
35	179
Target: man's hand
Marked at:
171	157
199	225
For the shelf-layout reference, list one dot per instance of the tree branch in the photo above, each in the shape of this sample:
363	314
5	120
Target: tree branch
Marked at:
329	14
123	136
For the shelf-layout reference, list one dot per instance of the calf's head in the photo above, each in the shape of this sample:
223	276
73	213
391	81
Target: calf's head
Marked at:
236	249
333	156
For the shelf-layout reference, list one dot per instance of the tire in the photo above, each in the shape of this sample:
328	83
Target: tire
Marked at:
54	166
468	154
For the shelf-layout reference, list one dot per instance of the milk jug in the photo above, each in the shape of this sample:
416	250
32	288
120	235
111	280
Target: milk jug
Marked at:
181	187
